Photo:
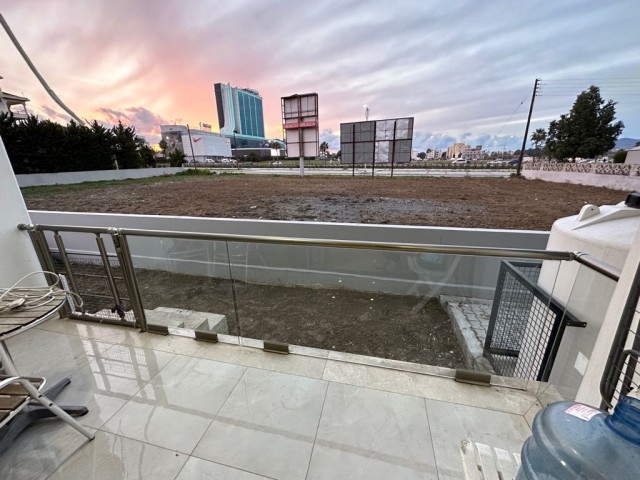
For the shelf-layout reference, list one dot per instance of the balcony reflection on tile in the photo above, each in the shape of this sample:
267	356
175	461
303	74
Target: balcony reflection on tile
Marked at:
39	450
198	469
109	381
110	457
437	388
194	383
452	424
370	434
177	406
267	426
53	355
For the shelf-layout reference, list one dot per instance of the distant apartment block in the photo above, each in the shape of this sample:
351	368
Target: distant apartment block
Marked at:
473	153
456	150
239	111
434	154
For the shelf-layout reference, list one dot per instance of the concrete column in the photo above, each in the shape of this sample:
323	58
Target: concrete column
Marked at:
17	255
589	391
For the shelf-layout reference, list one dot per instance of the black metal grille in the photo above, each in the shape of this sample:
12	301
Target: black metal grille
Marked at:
622	371
526	324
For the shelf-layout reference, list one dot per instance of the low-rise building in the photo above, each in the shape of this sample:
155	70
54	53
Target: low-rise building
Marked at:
434	154
197	145
473	153
15	104
633	156
457	150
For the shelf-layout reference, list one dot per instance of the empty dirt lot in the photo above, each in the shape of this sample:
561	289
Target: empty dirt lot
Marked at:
400	327
510	203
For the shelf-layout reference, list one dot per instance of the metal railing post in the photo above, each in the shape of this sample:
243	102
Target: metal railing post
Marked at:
110	280
124	256
67	266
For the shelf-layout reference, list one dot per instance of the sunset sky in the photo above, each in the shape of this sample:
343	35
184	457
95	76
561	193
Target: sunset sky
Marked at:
464	69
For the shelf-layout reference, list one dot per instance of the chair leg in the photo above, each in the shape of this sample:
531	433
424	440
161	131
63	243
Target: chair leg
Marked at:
55	409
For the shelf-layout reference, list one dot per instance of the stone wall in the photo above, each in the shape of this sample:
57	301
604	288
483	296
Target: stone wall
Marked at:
617	176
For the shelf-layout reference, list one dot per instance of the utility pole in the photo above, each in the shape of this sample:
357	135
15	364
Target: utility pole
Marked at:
526	130
193	156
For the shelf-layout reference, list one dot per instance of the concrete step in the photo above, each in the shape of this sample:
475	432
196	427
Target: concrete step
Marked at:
194	320
166	319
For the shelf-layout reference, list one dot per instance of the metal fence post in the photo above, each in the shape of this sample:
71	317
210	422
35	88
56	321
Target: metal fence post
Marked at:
67	266
124	256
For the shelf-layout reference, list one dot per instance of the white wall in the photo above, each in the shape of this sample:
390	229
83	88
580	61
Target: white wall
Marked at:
589	388
633	156
616	182
369	270
17	256
66	178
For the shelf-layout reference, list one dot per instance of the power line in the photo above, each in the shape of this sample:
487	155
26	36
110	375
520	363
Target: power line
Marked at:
42	81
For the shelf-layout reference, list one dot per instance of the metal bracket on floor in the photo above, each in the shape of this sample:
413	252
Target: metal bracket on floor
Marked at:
206	336
275	347
159	329
474	378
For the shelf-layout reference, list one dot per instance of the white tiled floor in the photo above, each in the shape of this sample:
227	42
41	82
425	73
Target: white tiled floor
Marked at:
175	408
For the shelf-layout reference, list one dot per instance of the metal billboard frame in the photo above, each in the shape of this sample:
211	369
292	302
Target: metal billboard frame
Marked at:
374	141
304	120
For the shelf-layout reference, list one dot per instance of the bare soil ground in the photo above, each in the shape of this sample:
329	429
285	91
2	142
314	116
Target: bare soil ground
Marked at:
509	203
390	326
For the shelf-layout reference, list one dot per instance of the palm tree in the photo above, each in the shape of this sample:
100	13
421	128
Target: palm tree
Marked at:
324	146
538	138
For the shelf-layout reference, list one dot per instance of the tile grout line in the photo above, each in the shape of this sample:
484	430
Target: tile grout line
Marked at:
433	450
221	407
134	394
315	438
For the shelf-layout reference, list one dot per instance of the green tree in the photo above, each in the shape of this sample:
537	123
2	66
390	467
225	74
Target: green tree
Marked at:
422	155
620	156
538	138
163	146
176	158
126	146
587	131
324	146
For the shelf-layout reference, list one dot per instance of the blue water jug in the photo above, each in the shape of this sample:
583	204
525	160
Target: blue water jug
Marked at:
574	441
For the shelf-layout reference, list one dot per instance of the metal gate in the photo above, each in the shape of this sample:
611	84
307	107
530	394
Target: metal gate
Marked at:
526	324
102	279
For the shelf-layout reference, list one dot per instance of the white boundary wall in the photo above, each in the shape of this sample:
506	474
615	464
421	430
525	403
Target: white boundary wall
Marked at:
66	178
367	270
615	176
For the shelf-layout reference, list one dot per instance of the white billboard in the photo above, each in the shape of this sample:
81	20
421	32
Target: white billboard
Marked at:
300	125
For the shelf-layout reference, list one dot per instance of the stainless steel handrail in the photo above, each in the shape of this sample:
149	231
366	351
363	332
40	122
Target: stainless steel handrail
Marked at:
314	242
598	265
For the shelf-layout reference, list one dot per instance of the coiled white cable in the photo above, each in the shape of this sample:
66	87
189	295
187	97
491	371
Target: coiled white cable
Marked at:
28	298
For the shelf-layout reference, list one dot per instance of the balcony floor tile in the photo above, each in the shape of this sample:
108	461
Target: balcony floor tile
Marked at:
370	434
267	425
112	457
198	469
174	410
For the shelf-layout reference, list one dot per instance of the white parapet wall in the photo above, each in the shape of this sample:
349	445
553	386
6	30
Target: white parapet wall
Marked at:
367	270
616	176
17	255
66	178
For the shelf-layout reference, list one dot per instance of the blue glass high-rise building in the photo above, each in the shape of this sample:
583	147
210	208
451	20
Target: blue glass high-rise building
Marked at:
239	111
